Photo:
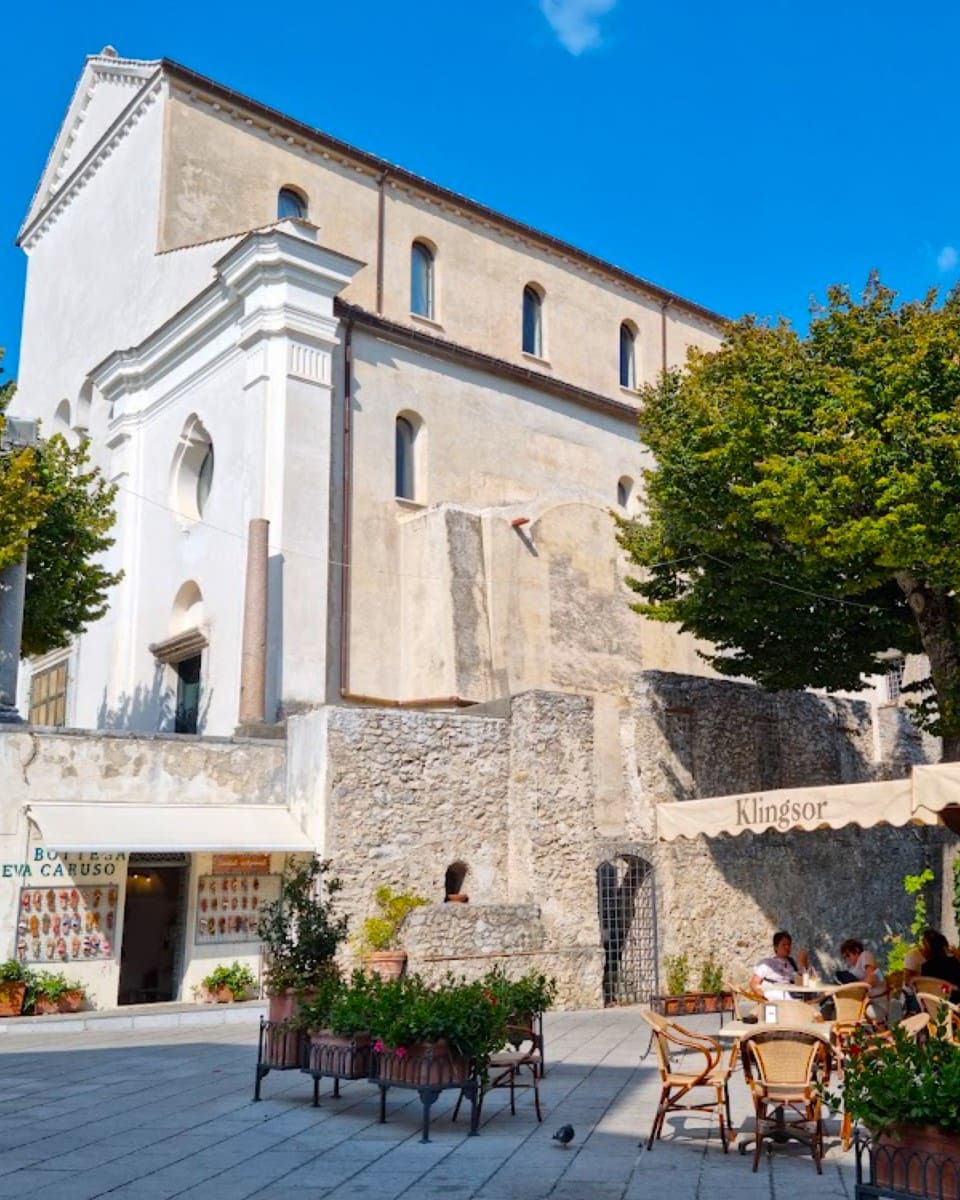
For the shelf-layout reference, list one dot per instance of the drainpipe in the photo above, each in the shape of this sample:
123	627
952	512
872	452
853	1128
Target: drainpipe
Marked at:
381	217
253	660
663	335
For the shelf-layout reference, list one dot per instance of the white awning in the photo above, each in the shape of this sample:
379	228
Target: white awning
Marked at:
919	800
139	827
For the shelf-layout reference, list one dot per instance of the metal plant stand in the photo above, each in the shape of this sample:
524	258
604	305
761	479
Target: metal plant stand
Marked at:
427	1071
336	1059
279	1049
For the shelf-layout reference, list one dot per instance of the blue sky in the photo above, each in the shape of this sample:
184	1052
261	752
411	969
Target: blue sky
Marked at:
745	156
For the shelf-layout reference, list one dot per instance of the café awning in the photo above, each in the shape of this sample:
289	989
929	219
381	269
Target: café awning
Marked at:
921	800
126	827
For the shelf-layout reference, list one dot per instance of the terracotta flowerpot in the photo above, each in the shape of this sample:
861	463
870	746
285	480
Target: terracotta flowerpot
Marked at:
283	1045
388	964
424	1064
71	1002
920	1160
11	999
335	1054
43	1006
219	995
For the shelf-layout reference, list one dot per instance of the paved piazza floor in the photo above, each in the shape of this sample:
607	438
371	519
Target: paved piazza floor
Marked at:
152	1114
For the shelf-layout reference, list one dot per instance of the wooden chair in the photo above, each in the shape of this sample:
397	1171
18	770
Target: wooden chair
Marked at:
782	1067
519	1065
713	1074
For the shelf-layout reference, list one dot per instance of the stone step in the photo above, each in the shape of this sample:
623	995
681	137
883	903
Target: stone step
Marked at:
138	1016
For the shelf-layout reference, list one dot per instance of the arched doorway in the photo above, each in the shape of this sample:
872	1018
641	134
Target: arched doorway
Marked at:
627	909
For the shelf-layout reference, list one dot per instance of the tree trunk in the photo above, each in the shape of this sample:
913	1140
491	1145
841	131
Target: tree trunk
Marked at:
934	612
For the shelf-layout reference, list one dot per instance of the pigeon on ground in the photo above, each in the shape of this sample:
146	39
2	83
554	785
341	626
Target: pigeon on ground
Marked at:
564	1135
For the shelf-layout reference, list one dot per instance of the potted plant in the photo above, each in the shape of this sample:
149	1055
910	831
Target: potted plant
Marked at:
523	999
674	1001
435	1036
906	1093
711	985
378	942
301	933
14	977
338	1022
225	984
51	992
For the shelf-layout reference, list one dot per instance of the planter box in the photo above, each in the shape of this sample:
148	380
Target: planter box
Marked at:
11	999
917	1160
339	1057
422	1065
688	1004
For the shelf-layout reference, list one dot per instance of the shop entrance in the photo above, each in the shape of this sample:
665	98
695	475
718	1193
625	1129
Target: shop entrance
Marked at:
154	915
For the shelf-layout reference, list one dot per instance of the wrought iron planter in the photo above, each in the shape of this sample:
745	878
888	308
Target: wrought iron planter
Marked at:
336	1058
922	1162
428	1068
281	1048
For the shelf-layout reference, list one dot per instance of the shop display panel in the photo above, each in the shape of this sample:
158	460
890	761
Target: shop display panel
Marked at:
228	906
66	924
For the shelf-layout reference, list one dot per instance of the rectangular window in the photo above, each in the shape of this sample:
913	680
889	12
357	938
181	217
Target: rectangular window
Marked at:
894	681
48	695
188	695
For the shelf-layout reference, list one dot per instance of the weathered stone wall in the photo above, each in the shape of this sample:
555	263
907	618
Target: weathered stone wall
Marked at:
699	737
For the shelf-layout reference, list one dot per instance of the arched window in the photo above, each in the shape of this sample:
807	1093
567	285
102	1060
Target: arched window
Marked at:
453	880
532	321
628	356
291	203
405	472
191	474
624	491
421	280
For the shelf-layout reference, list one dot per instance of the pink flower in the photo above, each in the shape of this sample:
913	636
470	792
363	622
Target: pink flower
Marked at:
378	1046
400	1052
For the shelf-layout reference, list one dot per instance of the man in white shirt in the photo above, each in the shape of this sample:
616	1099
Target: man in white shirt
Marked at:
773	975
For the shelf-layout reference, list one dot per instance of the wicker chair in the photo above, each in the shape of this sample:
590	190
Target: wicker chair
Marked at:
782	1067
676	1085
932	1005
795	1012
930	983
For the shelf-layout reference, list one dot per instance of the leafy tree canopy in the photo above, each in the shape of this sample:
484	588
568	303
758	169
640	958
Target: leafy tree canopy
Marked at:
59	510
803	515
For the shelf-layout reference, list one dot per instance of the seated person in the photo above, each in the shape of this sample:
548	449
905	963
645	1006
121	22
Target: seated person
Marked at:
940	963
862	966
772	976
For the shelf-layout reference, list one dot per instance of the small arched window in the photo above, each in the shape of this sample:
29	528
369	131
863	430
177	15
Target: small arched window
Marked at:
421	280
628	356
532	321
291	203
191	476
405	468
624	491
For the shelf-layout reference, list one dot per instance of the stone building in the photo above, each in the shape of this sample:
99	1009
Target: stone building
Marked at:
436	675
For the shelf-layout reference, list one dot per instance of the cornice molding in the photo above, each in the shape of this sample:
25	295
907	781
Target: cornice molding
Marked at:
261	289
50	212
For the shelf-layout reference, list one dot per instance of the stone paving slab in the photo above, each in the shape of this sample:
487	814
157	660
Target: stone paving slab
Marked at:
158	1113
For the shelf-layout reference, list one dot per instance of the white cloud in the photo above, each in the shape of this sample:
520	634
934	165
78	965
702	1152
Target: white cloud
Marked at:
576	22
947	259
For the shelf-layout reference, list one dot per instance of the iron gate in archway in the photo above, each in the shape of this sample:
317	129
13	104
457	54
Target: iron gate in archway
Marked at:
627	904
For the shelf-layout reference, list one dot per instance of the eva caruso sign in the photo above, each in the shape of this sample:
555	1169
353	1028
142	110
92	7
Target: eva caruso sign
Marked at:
48	864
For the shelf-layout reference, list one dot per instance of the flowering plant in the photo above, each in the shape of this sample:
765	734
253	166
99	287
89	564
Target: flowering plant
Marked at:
467	1015
522	998
893	1080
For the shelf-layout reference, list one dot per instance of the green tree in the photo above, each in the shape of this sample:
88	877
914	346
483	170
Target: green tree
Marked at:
60	510
804	510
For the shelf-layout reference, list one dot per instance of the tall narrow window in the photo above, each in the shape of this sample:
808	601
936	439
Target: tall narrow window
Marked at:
48	696
404	474
532	321
291	204
421	280
624	491
188	695
628	357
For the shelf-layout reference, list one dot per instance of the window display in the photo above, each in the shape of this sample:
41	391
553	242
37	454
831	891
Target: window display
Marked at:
66	924
228	906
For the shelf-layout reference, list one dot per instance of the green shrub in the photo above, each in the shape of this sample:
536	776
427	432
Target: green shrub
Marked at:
237	977
711	975
678	974
382	932
300	930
